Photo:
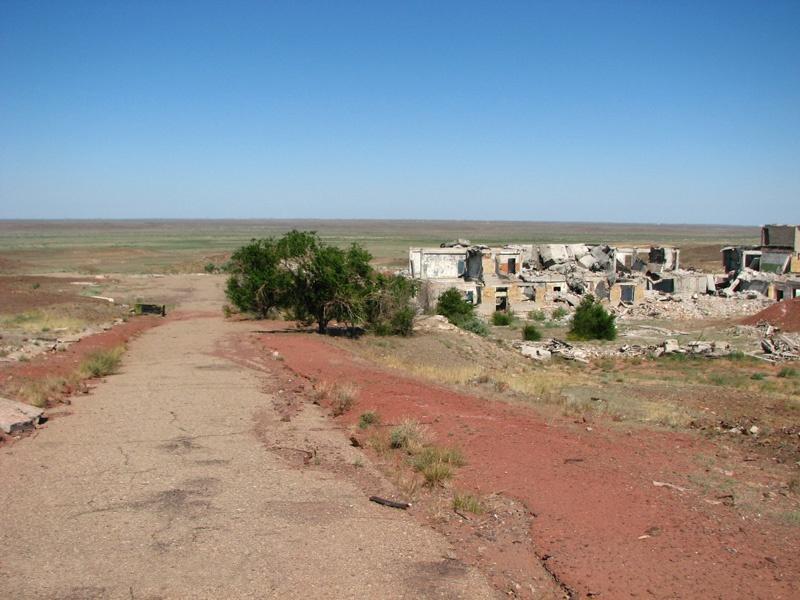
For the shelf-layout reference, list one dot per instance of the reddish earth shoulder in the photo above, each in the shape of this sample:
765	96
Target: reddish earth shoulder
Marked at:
602	526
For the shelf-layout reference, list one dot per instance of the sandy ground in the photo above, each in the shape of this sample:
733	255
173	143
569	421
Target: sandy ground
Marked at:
179	478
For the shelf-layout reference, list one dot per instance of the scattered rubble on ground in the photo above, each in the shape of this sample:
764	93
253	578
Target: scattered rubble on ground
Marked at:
775	347
28	346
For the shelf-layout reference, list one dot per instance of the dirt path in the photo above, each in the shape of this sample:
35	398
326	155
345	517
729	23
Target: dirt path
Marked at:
602	527
179	478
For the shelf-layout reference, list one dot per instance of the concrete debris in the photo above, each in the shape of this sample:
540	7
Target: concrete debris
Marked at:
778	346
433	323
535	351
16	416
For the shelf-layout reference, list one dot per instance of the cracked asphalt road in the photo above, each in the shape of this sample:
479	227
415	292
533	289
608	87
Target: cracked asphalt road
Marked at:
158	487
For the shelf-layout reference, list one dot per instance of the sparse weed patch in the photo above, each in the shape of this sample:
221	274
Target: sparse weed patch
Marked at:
559	313
789	372
465	502
102	362
538	315
380	442
368	418
436	464
343	397
39	392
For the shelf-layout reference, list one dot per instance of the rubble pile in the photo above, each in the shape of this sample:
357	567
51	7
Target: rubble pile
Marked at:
554	347
778	346
698	306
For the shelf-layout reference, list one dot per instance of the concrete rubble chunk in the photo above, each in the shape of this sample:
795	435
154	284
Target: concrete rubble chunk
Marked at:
536	351
671	346
16	416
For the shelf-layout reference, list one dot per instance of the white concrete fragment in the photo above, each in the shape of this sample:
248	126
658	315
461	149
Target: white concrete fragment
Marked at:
16	416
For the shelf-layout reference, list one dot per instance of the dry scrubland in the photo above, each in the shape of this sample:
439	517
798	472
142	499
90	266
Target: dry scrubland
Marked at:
746	410
187	246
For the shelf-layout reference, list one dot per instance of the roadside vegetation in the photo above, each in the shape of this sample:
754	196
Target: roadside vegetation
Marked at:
314	282
591	321
42	391
455	308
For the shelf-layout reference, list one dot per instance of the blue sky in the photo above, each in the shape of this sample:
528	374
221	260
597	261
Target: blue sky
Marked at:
616	111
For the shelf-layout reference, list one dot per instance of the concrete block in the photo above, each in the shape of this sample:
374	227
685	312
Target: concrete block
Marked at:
16	416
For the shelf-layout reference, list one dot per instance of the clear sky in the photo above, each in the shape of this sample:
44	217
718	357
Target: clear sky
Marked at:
646	111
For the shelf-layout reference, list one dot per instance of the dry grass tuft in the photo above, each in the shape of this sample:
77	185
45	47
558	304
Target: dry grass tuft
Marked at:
342	396
465	502
102	362
39	392
409	436
436	464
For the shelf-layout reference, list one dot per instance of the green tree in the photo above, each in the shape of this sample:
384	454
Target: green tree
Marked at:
389	308
257	282
315	282
592	322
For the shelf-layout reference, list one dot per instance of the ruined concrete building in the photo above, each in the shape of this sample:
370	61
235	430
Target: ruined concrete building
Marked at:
771	269
527	277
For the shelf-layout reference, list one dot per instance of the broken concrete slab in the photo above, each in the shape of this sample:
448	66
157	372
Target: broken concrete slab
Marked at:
536	352
16	416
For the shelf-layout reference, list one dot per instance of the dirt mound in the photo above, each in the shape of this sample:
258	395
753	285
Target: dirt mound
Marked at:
784	314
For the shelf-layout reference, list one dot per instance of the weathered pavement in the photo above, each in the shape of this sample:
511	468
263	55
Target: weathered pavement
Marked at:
158	487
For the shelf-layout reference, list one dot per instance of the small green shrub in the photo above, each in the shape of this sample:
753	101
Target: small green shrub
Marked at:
789	372
538	315
454	306
559	313
531	333
102	362
758	376
502	319
368	418
210	268
475	325
592	322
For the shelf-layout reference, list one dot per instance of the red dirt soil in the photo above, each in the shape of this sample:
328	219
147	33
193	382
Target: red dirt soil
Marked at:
784	314
602	527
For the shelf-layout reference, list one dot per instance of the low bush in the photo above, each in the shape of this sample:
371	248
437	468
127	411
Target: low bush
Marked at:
502	319
559	313
789	372
592	322
474	325
531	333
453	306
